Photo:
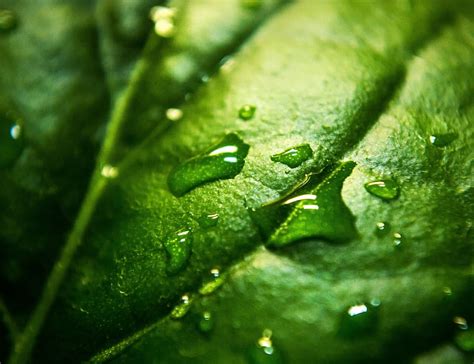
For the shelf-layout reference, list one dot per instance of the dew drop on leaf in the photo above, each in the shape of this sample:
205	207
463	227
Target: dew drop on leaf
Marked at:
384	189
11	139
222	161
294	157
208	220
397	240
212	283
109	171
182	308
206	322
247	112
314	209
443	140
460	322
360	320
178	248
382	228
163	17
264	351
174	114
8	20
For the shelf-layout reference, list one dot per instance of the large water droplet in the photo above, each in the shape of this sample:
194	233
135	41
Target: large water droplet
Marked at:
208	220
222	161
382	228
163	17
206	322
360	320
174	114
11	139
182	308
247	112
178	247
109	171
443	140
314	210
8	20
264	352
385	189
213	282
295	156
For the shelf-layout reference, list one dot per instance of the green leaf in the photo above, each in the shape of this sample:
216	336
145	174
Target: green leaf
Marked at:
356	83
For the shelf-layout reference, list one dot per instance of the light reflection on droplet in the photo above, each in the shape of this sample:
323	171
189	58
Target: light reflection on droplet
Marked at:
174	114
109	171
357	310
163	17
461	322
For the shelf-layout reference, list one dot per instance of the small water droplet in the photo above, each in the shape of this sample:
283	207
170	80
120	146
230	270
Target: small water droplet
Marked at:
447	291
163	17
314	209
178	248
397	240
222	161
213	282
206	322
382	228
295	156
182	308
247	112
461	322
174	114
11	139
443	140
208	220
8	20
384	189
109	171
360	320
264	352
227	64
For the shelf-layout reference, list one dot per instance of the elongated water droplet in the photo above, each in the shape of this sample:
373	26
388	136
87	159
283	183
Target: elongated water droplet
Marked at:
461	322
222	161
213	282
314	210
360	320
163	17
174	114
206	322
8	20
382	228
11	139
397	240
208	220
295	156
443	140
109	171
265	352
385	189
247	112
178	248
182	308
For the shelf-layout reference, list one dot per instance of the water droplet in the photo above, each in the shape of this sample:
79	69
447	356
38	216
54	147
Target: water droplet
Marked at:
382	228
264	352
208	220
222	161
8	20
227	64
384	189
173	114
182	308
360	320
214	281
447	291
11	139
178	248
295	156
206	322
314	209
109	171
247	112
461	322
397	240
163	17
443	140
